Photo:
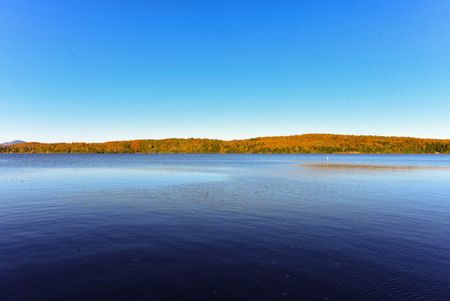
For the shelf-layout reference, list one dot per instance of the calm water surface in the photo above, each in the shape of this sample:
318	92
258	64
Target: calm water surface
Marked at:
224	227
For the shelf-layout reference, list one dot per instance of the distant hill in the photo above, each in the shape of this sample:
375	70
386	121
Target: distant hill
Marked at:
308	143
12	142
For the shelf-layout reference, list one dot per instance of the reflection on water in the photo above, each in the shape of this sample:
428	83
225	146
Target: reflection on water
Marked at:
373	166
224	227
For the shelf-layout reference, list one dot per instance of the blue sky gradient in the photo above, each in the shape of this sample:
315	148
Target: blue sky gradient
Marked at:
114	70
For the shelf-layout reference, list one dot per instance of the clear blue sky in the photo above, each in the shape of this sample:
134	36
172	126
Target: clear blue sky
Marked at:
112	70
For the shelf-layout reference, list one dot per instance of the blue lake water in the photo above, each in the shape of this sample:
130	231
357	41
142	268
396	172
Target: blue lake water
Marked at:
224	227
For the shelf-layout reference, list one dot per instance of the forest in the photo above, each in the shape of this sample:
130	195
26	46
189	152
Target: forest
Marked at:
296	144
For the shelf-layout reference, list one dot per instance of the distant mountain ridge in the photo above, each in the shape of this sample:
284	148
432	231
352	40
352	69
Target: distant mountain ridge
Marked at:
296	144
12	142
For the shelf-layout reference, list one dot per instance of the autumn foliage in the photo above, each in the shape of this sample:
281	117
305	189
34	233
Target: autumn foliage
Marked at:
308	143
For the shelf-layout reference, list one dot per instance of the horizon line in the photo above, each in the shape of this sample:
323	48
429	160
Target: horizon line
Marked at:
233	139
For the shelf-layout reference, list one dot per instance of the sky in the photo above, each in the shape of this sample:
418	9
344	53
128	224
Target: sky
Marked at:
116	70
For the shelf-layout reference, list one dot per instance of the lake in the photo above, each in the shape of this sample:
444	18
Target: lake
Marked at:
224	227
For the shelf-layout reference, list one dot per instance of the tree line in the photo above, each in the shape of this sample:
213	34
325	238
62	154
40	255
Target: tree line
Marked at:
308	143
